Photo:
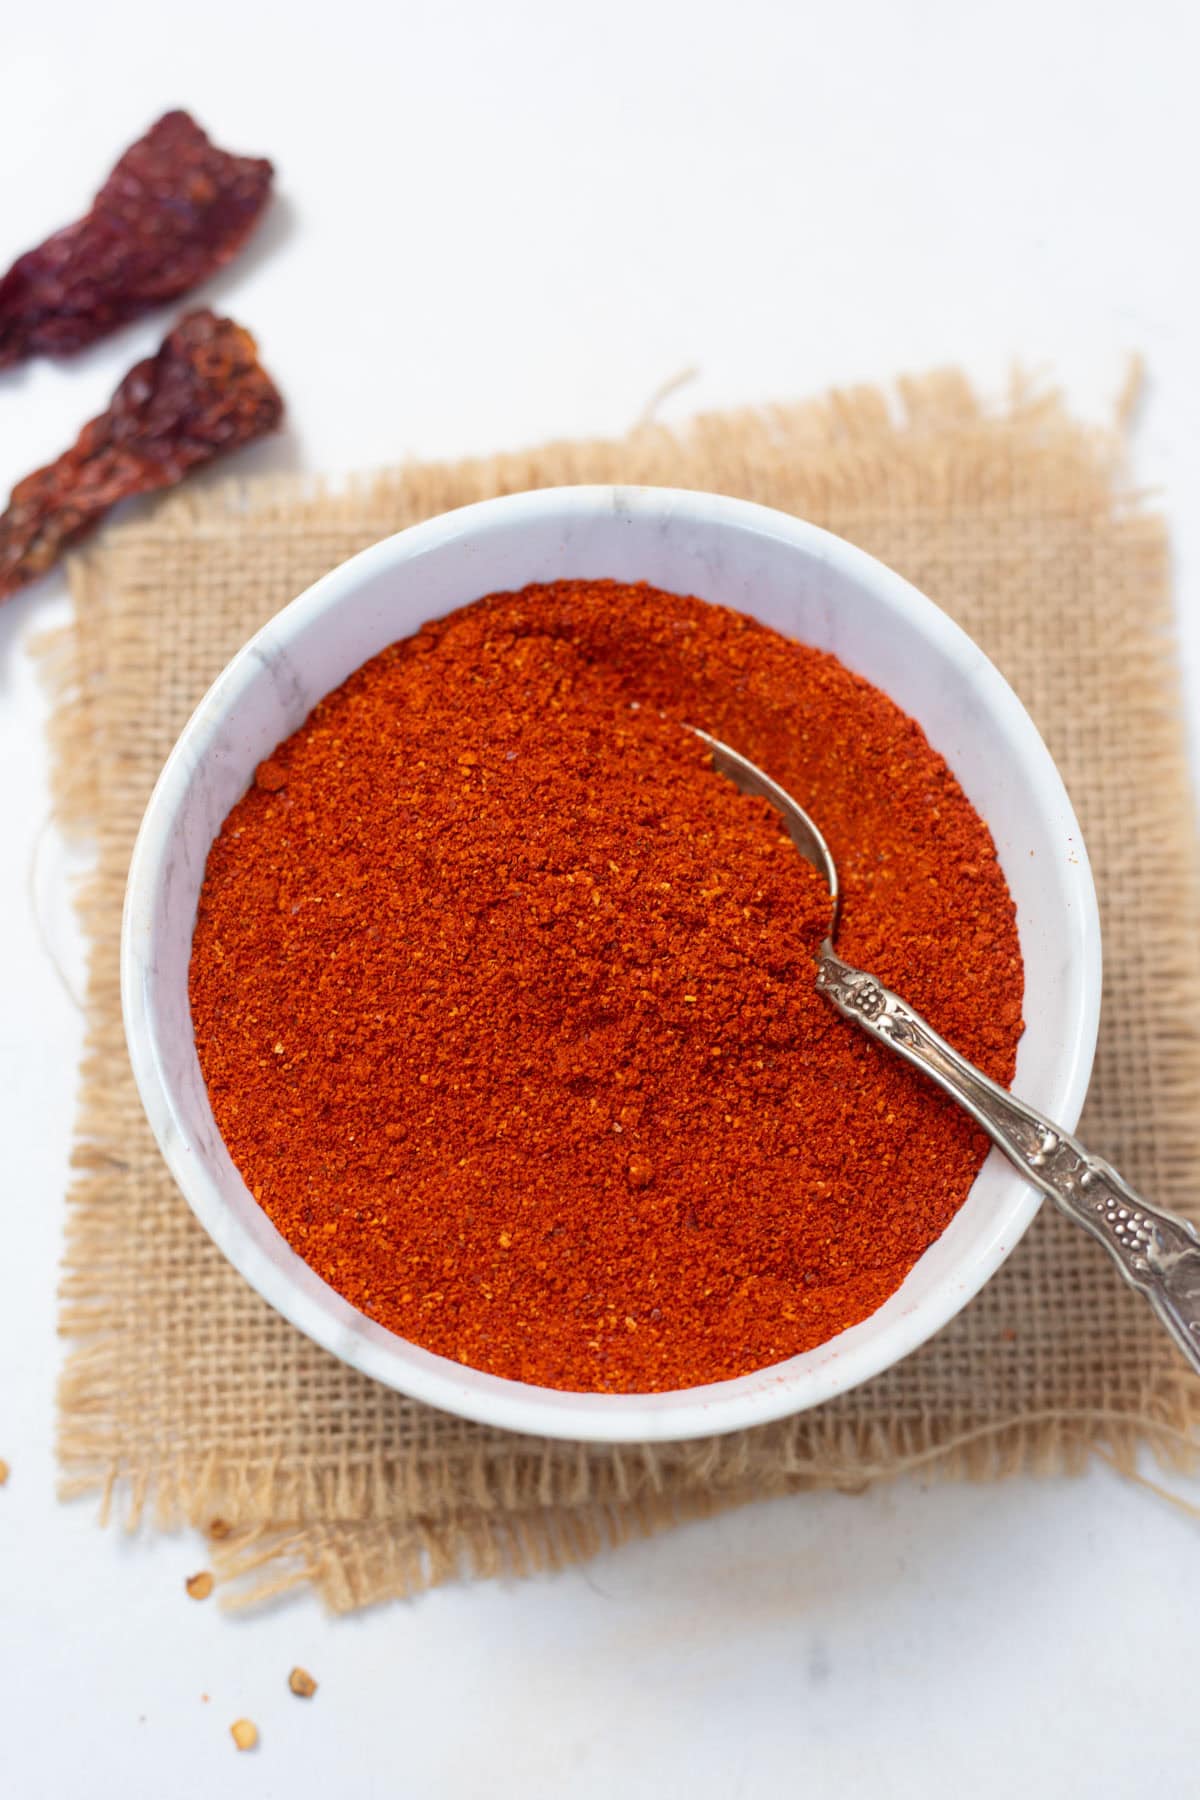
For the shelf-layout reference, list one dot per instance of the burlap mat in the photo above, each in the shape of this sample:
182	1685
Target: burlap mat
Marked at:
185	1396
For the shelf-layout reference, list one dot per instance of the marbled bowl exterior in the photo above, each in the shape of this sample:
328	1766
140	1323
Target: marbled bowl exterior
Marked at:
792	576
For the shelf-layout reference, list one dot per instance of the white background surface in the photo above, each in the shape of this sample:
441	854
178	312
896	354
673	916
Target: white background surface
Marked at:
499	223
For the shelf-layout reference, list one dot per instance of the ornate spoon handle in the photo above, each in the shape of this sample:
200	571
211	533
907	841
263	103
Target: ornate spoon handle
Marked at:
1157	1252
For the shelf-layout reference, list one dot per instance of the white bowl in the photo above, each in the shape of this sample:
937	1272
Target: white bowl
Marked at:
792	576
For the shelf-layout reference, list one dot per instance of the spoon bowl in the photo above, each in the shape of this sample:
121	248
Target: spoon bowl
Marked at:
750	779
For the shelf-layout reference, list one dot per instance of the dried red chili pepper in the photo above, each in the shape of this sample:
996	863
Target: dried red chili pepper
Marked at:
202	394
173	210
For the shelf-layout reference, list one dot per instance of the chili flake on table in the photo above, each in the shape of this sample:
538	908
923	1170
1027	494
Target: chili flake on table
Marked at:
505	998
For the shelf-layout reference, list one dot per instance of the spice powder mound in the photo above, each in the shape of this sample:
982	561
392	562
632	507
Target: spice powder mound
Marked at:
505	998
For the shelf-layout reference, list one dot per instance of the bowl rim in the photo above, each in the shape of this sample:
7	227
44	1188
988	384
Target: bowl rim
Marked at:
496	1400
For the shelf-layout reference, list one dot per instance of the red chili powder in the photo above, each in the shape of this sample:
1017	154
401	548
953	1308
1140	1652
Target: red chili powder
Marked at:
505	998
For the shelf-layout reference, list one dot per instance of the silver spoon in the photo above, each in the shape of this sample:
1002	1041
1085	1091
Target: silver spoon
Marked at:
1157	1252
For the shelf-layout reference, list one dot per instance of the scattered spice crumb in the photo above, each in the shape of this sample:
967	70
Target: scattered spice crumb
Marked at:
199	1586
3	1471
219	1528
302	1683
244	1734
270	776
204	1697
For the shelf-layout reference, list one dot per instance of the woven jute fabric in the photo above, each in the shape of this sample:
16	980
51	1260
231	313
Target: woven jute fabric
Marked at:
185	1399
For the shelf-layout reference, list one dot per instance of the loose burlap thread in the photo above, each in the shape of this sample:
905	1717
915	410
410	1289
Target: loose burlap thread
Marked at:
185	1399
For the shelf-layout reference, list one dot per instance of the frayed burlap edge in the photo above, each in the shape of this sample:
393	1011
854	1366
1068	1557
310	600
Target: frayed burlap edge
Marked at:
333	1530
